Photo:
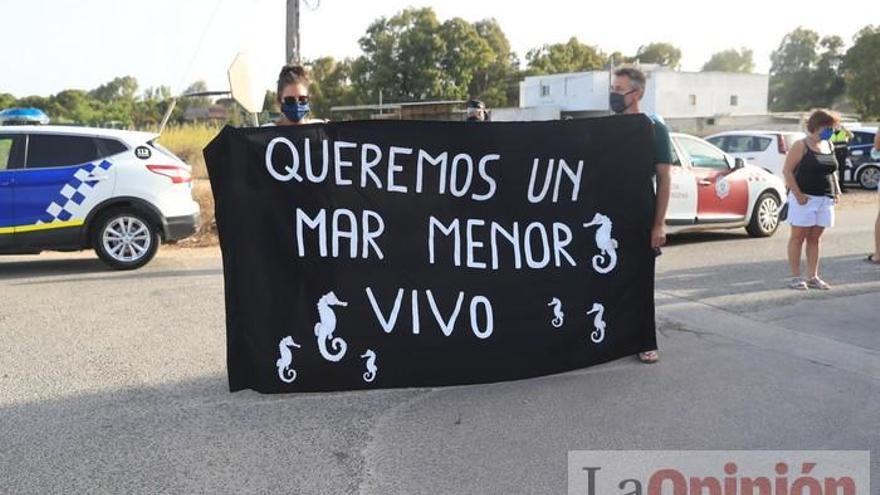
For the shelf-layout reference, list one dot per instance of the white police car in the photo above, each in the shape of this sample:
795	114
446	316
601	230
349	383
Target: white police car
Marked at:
74	188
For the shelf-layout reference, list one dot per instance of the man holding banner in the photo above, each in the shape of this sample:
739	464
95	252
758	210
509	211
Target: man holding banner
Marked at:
627	89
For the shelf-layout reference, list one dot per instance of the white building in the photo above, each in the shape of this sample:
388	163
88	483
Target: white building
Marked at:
687	100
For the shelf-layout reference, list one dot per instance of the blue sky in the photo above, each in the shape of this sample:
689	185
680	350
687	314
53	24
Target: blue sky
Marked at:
50	45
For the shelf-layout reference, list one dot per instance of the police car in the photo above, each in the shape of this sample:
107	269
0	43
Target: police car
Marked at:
865	167
72	188
713	190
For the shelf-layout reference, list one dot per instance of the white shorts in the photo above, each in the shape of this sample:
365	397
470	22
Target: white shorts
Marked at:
818	212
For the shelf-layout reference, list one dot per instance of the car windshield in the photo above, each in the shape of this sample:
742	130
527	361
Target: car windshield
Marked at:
745	144
717	141
862	138
703	154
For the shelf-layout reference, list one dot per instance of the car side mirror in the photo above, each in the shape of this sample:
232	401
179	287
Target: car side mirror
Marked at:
738	163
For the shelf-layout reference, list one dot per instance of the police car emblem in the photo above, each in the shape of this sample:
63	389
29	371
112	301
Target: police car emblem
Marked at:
143	152
722	188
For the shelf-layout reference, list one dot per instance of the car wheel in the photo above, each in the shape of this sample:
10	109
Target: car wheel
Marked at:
125	239
869	177
765	216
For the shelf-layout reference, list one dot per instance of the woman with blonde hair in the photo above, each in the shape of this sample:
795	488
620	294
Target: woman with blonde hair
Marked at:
810	172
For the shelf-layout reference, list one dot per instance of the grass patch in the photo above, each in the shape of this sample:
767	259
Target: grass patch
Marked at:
207	233
187	142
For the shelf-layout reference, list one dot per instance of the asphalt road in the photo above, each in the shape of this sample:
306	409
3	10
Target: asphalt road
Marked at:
115	383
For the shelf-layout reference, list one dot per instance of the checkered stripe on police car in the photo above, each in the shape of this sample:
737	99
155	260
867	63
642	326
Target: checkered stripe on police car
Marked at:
69	199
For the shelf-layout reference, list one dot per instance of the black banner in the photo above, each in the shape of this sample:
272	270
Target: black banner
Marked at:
401	253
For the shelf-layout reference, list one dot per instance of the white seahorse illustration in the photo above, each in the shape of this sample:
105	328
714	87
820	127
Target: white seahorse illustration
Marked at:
324	329
558	315
598	335
285	371
607	245
370	374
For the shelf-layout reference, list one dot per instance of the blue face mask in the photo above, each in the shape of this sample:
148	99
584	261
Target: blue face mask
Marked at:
295	111
826	133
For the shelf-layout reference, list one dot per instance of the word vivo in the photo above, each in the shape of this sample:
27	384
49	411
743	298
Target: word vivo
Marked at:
479	309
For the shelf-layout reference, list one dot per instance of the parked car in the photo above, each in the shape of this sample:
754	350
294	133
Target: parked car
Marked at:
864	170
711	189
74	188
765	149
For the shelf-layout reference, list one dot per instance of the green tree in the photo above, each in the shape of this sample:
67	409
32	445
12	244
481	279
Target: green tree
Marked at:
331	85
664	54
731	61
617	58
572	56
6	101
861	68
236	115
151	107
75	106
805	71
120	88
796	52
498	83
828	81
112	102
790	70
270	102
466	53
196	101
402	56
413	56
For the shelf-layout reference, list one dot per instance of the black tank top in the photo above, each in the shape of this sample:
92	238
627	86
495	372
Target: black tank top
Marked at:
815	172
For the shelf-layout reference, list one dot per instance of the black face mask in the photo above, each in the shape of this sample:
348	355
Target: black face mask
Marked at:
617	101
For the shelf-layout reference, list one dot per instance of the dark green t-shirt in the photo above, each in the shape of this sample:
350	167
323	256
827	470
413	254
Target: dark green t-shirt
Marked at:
662	144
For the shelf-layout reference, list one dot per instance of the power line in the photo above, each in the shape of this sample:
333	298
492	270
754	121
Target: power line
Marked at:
200	42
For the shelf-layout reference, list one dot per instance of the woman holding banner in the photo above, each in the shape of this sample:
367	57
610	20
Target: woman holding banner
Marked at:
293	96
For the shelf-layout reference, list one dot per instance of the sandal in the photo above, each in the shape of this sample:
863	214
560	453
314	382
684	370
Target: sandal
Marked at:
870	259
818	283
797	283
649	357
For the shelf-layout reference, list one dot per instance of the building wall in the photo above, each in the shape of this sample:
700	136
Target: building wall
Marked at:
525	114
703	126
579	91
669	93
706	94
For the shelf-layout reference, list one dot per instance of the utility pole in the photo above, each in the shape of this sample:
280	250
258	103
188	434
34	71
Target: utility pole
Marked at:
292	41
